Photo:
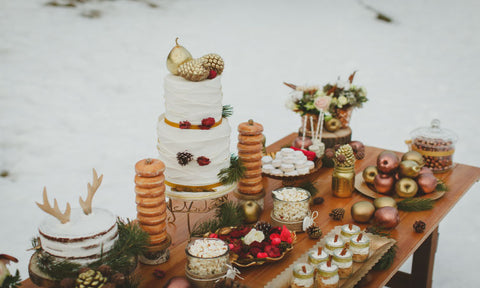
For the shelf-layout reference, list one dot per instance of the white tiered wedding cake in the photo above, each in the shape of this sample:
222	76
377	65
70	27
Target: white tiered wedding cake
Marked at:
193	135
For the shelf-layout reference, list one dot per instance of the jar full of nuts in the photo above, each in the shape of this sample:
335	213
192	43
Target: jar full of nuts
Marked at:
437	146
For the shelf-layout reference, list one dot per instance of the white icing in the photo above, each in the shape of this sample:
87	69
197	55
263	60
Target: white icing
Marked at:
303	282
298	153
276	163
291	173
355	229
303	171
330	242
287	167
287	151
267	160
310	165
314	255
192	101
267	168
288	160
80	226
324	267
348	255
213	144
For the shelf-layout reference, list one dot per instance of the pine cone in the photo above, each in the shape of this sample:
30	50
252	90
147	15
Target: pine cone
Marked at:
318	200
193	70
90	279
347	151
264	227
360	155
419	226
184	158
329	153
314	232
337	214
213	62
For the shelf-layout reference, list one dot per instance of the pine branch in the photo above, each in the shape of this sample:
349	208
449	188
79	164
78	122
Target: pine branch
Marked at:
227	111
441	186
229	214
310	187
415	204
378	230
233	173
57	269
12	281
387	259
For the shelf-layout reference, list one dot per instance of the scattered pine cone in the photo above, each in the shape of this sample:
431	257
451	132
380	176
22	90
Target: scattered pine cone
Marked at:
214	62
337	214
360	155
193	70
419	226
314	232
318	200
90	279
329	153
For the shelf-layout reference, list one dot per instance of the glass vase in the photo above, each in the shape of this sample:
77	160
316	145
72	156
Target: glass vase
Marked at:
343	181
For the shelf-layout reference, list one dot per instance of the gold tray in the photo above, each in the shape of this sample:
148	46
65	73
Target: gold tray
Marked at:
363	188
378	246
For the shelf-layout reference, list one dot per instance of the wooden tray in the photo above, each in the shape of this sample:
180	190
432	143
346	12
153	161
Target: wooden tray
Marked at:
363	188
378	246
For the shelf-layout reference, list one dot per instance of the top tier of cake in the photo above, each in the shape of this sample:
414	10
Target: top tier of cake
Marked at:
192	101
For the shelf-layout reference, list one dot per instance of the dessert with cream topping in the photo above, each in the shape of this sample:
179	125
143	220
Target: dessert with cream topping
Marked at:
303	276
327	275
332	243
360	247
349	230
317	256
343	259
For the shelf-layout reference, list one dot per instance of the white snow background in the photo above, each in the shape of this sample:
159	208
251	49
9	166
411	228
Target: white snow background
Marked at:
78	93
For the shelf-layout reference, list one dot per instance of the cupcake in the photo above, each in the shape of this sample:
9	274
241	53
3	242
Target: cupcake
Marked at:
332	243
327	275
343	259
349	230
303	276
360	247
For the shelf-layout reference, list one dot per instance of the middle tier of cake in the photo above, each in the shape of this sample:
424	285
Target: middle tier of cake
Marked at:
193	157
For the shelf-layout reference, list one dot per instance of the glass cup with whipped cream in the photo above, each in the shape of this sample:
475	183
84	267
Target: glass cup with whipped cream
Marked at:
349	230
360	247
327	275
333	243
303	276
343	259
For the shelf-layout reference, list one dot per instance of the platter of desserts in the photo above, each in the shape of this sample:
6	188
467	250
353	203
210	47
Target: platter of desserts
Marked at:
347	265
289	164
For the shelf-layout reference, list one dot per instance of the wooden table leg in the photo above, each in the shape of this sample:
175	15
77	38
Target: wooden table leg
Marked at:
422	266
423	260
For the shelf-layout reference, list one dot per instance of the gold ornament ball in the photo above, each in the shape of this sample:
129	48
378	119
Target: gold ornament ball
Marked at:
251	211
384	202
177	56
362	211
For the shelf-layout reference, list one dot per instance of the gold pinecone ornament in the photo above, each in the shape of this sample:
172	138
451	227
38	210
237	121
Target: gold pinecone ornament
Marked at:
213	61
194	70
344	156
90	279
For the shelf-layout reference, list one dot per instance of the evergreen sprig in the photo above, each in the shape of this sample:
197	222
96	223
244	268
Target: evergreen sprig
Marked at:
132	241
226	215
441	186
310	187
415	204
233	173
378	230
56	269
387	259
12	281
227	111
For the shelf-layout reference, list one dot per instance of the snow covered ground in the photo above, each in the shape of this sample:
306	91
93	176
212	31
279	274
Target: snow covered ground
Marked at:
77	93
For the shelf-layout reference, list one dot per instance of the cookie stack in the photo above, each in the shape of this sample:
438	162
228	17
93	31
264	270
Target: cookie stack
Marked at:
150	199
250	145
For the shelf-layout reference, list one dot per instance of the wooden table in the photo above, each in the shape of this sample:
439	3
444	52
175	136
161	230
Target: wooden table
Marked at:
422	246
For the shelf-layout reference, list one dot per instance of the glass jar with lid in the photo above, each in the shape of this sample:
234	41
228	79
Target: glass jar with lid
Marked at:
436	145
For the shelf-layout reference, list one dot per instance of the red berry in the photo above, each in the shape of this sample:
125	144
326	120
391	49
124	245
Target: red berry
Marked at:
212	74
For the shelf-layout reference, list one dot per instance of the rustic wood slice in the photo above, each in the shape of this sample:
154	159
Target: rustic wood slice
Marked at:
342	136
38	277
363	188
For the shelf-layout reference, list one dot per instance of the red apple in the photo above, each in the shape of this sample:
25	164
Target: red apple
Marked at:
427	183
383	183
387	162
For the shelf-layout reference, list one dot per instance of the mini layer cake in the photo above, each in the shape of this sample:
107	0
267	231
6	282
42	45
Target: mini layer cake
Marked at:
83	239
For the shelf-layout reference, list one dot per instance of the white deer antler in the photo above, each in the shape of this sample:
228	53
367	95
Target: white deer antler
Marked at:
54	211
92	188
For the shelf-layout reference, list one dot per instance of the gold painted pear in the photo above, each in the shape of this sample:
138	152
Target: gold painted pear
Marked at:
177	56
409	168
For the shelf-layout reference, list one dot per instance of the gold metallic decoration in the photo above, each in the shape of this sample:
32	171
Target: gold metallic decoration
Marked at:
199	127
177	56
184	188
362	211
343	181
214	62
251	210
193	70
384	202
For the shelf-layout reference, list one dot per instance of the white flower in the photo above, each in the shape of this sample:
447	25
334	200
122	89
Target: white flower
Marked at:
343	84
296	95
253	236
342	100
290	104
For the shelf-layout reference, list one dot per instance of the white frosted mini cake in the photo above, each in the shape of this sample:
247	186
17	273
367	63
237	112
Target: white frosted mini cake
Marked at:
83	239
